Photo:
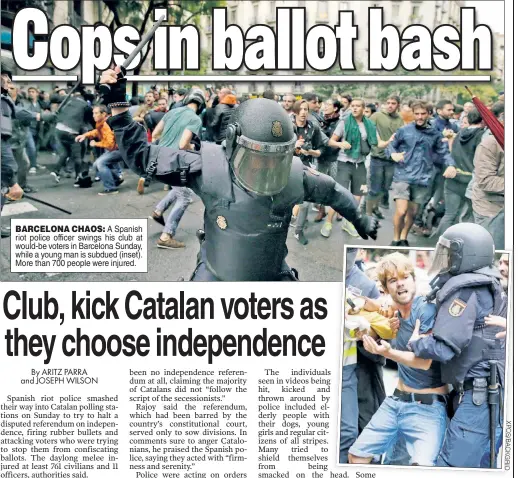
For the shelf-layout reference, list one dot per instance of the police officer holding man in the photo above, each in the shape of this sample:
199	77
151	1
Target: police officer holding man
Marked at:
10	187
466	289
248	187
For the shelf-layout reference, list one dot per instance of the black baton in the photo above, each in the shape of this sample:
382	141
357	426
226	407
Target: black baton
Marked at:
32	198
493	400
145	39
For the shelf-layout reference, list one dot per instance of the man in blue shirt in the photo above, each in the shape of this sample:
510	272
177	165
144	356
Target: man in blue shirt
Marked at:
443	120
415	148
416	412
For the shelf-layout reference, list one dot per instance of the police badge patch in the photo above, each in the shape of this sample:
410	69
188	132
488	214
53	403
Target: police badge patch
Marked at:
457	307
277	129
221	222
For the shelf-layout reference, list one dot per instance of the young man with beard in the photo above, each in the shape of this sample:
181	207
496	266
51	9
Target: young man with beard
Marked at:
287	102
416	412
415	148
382	169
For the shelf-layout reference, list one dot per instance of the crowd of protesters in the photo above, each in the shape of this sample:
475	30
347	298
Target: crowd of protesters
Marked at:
438	163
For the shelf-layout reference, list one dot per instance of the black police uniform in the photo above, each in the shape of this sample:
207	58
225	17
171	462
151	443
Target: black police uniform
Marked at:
465	346
245	233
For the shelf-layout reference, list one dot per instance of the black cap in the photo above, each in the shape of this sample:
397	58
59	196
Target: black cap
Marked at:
181	91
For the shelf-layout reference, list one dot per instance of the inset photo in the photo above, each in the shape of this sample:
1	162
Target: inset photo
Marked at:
424	353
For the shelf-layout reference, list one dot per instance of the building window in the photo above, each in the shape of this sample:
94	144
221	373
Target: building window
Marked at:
78	7
233	16
415	11
256	13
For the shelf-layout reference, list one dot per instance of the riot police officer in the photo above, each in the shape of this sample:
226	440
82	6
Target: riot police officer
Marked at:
248	187
466	289
10	187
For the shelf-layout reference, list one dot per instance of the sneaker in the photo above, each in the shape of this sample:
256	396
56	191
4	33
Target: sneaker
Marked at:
293	221
55	176
108	192
158	218
326	229
77	182
119	181
97	179
301	238
40	166
394	243
32	170
378	214
29	189
141	185
349	228
169	244
403	243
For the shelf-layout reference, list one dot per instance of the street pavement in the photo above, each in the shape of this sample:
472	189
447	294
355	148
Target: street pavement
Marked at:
320	260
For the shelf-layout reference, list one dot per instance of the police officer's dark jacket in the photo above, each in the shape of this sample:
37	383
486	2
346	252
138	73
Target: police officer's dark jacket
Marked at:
460	339
245	233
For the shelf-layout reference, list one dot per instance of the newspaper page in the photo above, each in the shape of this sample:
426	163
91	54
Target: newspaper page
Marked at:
352	150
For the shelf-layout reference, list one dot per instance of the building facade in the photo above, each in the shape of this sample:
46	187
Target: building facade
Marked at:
396	12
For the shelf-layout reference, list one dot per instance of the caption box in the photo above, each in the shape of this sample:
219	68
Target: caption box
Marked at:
79	245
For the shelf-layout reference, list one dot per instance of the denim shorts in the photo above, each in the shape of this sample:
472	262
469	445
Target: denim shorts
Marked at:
420	427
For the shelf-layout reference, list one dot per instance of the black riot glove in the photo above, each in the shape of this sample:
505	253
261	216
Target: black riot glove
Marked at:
114	95
367	227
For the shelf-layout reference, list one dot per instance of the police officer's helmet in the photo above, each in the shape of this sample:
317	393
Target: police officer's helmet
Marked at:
259	146
195	95
464	247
